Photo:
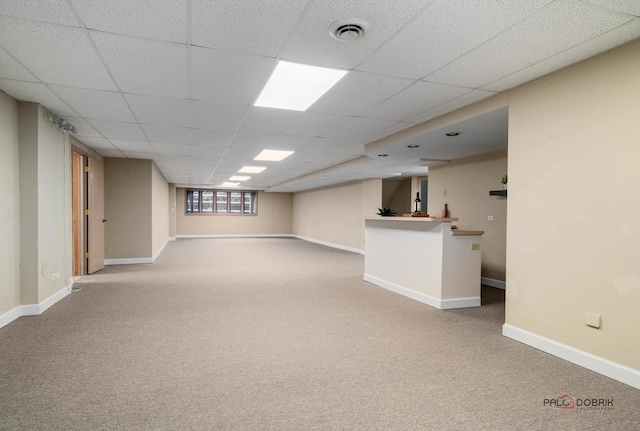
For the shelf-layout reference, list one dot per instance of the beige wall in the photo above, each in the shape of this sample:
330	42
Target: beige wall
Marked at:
128	208
574	211
396	194
9	205
274	217
327	214
467	183
159	208
172	211
45	218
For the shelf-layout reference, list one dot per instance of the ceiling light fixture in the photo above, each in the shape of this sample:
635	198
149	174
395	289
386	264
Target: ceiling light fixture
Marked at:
297	86
453	133
229	184
273	155
251	169
239	178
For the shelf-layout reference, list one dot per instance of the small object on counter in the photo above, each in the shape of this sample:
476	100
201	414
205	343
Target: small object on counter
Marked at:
445	211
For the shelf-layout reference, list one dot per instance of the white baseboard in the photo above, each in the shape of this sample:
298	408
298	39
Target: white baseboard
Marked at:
238	235
128	261
441	304
330	244
172	238
33	309
493	282
587	360
160	250
10	316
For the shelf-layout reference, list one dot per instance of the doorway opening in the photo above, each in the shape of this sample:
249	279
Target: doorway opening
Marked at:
80	212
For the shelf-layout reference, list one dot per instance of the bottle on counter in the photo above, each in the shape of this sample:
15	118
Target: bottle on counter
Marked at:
418	203
445	211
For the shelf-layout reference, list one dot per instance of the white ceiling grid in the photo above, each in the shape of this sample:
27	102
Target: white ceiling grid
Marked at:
174	81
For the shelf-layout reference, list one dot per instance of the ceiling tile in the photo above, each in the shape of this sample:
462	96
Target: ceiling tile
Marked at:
170	148
145	66
84	129
415	99
602	43
268	120
53	11
159	110
207	151
212	116
335	146
442	32
103	105
115	153
210	137
359	128
33	92
139	155
166	133
313	124
55	54
631	7
245	154
252	140
394	128
228	78
11	69
464	100
289	142
556	28
157	19
357	92
312	44
125	146
259	27
116	130
97	144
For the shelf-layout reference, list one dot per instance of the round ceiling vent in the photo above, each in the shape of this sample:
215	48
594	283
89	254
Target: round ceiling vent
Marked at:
348	29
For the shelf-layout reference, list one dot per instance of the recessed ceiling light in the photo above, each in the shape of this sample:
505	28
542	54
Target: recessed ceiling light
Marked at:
413	146
251	169
297	86
273	155
239	178
229	184
453	133
383	155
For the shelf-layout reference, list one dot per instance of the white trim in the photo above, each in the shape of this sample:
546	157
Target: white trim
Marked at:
239	235
172	238
33	309
493	283
10	316
44	305
128	261
441	304
587	360
160	250
330	244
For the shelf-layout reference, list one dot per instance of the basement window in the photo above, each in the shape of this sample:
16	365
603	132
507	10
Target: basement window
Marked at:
201	201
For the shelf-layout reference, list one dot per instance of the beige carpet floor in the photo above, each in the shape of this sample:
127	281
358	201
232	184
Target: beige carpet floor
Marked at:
280	334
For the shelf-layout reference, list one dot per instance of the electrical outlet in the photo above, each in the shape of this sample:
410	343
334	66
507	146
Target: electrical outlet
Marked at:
55	276
444	192
475	246
490	218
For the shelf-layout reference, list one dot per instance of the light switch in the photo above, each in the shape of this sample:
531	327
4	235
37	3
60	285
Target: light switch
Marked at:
490	218
475	246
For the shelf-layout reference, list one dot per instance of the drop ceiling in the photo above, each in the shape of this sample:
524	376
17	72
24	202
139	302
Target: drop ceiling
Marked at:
175	80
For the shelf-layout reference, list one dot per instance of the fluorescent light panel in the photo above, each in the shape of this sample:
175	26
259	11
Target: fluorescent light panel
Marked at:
239	178
229	184
273	155
297	86
251	169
